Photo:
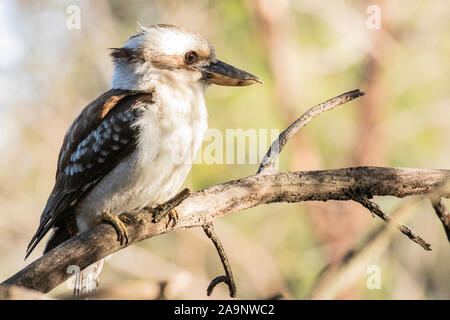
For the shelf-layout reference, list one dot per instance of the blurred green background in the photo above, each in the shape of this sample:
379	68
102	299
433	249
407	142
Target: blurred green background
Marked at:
306	51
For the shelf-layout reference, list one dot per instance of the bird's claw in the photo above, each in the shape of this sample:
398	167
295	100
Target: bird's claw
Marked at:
160	213
125	218
118	223
173	217
169	208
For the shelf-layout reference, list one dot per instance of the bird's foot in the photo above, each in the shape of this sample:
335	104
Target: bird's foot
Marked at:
173	217
118	223
169	208
172	214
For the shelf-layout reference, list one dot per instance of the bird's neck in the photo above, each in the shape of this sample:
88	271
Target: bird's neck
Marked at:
180	116
133	77
179	99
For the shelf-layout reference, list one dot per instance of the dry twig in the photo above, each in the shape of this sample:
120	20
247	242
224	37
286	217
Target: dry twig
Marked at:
375	209
267	165
228	278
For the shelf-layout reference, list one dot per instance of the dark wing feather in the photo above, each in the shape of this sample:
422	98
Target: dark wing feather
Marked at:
98	139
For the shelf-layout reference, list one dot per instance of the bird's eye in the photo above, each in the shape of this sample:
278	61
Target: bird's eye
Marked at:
190	57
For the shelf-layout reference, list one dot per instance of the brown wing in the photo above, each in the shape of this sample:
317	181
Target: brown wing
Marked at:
98	139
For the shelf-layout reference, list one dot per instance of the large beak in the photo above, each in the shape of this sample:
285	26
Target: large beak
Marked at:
223	74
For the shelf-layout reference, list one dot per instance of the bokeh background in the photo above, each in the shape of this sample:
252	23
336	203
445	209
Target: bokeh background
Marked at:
306	51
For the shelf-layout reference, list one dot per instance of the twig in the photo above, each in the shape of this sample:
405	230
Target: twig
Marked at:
341	274
228	278
375	209
267	165
442	213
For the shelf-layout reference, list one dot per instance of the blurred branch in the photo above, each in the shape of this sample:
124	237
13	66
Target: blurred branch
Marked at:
442	212
203	207
11	292
128	290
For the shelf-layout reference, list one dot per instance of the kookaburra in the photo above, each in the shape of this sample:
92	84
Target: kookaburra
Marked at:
134	145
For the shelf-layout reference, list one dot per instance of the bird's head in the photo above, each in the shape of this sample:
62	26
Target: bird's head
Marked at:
166	53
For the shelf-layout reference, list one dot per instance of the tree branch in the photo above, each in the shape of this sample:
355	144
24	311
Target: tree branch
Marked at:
208	205
203	207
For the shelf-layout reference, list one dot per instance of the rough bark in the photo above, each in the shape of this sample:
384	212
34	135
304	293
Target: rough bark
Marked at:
210	204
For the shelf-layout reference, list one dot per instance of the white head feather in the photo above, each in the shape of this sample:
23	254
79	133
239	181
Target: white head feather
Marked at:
155	54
